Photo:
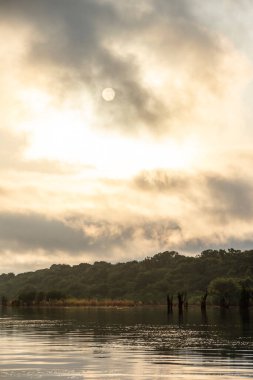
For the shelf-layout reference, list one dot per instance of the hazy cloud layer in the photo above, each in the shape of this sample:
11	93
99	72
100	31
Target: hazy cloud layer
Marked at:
217	200
96	44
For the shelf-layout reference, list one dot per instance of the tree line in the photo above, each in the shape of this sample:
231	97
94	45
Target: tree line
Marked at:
221	277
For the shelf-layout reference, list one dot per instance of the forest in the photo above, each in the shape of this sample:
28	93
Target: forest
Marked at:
223	277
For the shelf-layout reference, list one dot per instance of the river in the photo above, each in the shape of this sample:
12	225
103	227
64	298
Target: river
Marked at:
125	343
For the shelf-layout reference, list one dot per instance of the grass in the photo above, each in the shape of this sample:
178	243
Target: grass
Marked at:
77	302
96	302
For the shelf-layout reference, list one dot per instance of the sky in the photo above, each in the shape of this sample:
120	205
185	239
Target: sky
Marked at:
126	129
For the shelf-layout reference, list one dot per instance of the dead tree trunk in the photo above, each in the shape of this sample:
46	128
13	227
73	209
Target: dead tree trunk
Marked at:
203	301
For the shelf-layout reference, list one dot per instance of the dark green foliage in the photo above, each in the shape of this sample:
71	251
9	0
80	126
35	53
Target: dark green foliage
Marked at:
149	280
40	296
4	301
225	291
55	295
27	296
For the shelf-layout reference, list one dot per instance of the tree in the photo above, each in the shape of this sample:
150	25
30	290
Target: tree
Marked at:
148	280
40	296
225	290
55	295
4	301
27	296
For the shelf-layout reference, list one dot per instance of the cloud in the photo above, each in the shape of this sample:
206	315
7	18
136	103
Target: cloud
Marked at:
34	231
162	181
91	44
78	234
230	197
80	238
12	146
198	244
51	167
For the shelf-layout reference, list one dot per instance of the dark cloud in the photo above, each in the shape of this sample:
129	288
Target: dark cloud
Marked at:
34	231
75	40
120	235
230	198
162	232
161	181
214	241
76	234
79	237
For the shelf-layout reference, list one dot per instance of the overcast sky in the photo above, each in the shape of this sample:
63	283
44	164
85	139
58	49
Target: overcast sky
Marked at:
126	129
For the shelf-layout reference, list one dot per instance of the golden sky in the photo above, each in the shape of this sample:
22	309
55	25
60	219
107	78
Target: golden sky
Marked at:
126	129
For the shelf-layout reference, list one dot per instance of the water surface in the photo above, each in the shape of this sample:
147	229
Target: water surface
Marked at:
127	343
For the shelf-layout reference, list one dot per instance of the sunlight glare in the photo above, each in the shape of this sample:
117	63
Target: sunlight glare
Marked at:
67	136
34	99
154	77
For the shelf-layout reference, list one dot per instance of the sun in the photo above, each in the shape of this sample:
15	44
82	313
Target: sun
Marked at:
108	94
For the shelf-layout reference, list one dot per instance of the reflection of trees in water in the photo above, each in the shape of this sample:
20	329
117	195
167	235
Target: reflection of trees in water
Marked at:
146	327
245	316
204	316
245	323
